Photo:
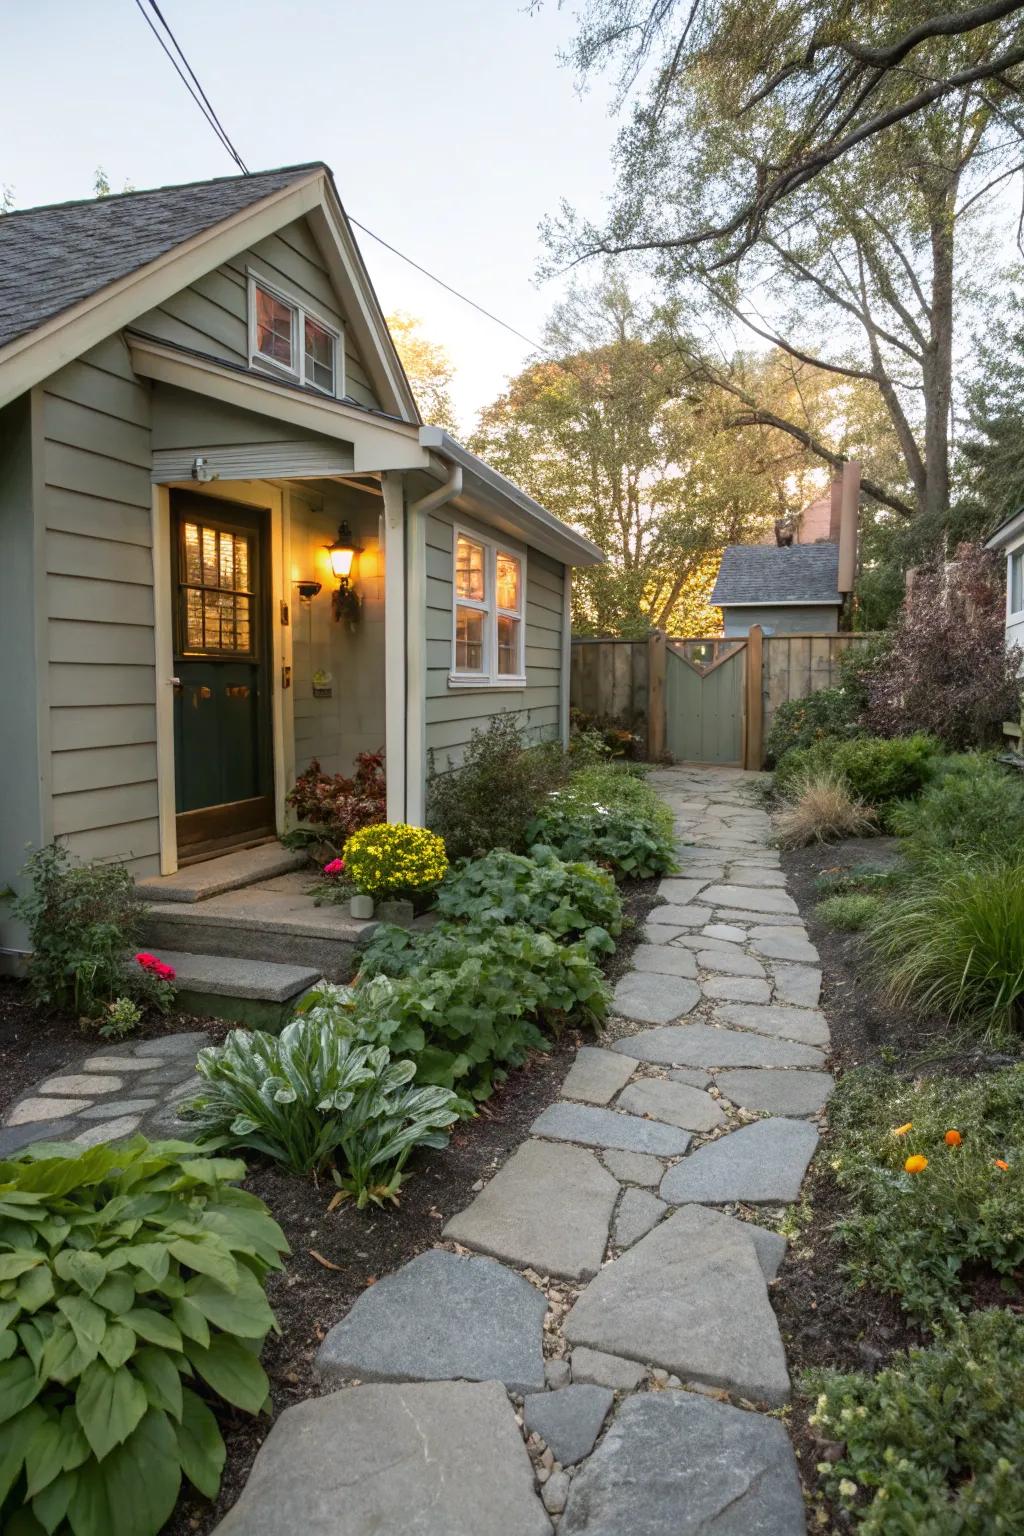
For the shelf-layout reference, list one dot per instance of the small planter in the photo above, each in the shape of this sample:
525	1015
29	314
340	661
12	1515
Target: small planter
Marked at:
361	906
396	911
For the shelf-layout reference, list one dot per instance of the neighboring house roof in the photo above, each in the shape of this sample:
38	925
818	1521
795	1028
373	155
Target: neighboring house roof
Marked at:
1009	531
53	257
770	576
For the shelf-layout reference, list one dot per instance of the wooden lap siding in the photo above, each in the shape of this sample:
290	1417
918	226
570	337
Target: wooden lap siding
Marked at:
453	714
211	315
94	512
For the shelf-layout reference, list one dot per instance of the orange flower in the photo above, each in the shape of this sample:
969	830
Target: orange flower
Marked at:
916	1164
1004	1166
953	1138
901	1130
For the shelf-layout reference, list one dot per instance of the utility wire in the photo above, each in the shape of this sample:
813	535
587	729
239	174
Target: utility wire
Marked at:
201	99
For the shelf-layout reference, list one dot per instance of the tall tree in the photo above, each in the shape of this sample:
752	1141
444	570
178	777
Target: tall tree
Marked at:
429	368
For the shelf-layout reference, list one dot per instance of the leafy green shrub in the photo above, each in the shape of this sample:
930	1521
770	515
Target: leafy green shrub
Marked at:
316	1092
607	814
537	889
120	1018
822	811
125	1273
84	920
952	941
848	913
974	808
915	1235
466	1003
877	769
932	1442
490	799
802	722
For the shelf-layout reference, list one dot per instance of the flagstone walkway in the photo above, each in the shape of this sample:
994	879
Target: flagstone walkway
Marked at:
593	1347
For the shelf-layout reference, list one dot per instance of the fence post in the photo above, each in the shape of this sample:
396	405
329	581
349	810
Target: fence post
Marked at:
655	696
755	698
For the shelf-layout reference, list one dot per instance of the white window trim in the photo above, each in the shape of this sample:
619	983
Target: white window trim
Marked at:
1016	553
489	677
300	314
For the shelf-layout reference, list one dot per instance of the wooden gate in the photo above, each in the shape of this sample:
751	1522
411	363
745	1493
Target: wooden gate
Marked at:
705	694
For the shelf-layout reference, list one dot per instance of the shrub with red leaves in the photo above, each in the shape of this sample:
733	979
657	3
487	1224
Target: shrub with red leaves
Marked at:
947	670
338	804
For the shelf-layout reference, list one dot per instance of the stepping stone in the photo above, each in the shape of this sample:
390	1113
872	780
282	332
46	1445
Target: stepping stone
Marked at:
117	1107
435	1458
548	1208
606	1370
726	963
693	1077
760	919
777	928
769	1247
736	989
33	1109
109	1130
606	1128
557	1373
638	1212
799	985
13	1138
569	1421
664	960
804	1024
122	1064
654	999
441	1317
634	1167
660	933
760	1164
800	950
778	1093
750	898
175	1045
755	874
727	931
679	1464
597	1075
679	917
701	1045
81	1084
691	1299
676	1104
699	942
680	892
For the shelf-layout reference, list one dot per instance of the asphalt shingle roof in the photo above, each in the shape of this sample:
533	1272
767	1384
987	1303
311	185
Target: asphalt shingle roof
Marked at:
766	573
54	257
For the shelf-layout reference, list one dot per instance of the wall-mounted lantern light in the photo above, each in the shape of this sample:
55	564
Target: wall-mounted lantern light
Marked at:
345	602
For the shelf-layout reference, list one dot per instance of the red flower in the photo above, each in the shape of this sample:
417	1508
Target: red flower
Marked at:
334	868
156	967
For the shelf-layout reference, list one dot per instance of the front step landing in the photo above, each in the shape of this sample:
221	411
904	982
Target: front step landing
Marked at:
260	994
232	871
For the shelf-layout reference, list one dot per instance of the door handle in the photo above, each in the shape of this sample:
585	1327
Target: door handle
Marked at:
175	682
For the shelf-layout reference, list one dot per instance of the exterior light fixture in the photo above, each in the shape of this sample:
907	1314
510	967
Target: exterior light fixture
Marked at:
308	589
345	602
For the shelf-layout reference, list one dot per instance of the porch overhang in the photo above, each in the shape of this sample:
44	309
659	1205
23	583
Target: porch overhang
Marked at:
1008	533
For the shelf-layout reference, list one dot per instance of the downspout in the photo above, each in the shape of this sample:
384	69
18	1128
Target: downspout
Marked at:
416	643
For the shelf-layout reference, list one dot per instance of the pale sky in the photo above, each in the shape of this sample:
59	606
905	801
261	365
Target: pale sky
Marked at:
451	128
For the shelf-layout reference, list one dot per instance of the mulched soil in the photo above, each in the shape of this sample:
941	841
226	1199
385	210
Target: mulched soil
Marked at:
335	1255
825	1323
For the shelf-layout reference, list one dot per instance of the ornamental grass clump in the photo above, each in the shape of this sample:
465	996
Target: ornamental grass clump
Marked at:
393	860
932	1174
822	810
131	1299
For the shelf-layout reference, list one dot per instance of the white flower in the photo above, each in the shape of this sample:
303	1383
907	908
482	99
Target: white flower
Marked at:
847	1489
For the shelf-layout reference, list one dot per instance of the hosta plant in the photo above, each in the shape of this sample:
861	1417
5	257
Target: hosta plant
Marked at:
131	1298
317	1093
538	889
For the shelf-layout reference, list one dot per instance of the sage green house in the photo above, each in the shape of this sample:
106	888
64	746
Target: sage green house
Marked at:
203	425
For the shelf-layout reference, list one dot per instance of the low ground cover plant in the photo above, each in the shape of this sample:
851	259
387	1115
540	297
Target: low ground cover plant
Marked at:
609	815
131	1297
822	809
318	1094
932	1442
538	889
84	922
336	806
802	722
849	913
392	859
933	1172
489	800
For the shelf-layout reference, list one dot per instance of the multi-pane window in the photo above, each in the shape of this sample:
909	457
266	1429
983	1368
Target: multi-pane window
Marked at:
216	590
488	617
285	338
1017	581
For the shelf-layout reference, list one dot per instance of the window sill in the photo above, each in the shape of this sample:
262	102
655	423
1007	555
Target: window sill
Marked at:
485	684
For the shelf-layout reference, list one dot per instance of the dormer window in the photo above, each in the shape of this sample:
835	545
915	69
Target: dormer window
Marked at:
285	338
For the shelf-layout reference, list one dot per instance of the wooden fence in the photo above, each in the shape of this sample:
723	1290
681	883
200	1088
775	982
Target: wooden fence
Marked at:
624	680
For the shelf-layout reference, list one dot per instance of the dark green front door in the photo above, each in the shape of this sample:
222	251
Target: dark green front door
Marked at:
223	756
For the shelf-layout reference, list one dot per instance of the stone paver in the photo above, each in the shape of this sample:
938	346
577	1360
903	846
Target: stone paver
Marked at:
783	948
77	1084
692	1300
736	989
779	1093
638	1211
678	1464
445	1317
769	1246
634	1167
594	1127
700	1045
674	1103
799	985
749	898
427	1458
730	963
664	960
806	1025
727	931
680	891
549	1207
649	998
597	1075
606	1370
568	1421
760	1164
679	917
692	1076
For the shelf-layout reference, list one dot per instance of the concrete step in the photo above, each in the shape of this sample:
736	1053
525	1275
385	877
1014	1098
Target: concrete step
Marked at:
231	872
260	994
261	923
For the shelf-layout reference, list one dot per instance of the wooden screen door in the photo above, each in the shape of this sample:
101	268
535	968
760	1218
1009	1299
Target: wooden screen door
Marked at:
223	748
